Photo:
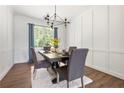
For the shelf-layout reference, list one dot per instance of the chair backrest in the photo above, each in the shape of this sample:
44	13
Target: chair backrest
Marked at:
34	57
71	48
77	64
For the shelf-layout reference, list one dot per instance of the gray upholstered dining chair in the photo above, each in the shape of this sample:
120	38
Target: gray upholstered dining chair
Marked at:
75	68
38	63
70	50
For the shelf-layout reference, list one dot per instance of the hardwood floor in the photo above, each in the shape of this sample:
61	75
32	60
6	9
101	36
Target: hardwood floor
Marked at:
20	77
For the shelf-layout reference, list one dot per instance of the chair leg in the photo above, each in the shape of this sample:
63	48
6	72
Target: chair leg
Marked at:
57	77
82	82
47	68
59	63
34	73
67	84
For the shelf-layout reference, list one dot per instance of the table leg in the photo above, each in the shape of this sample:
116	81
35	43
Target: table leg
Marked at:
55	65
52	72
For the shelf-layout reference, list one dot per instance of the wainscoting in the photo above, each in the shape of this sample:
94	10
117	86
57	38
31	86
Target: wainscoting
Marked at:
100	28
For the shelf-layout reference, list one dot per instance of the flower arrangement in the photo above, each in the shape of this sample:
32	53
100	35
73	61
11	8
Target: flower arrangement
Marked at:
55	42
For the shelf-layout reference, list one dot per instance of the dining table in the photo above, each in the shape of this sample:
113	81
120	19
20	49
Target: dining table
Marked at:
54	58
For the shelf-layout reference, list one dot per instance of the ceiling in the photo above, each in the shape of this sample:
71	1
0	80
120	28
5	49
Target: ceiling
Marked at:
40	11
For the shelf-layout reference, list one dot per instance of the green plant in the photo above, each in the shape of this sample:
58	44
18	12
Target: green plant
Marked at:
42	36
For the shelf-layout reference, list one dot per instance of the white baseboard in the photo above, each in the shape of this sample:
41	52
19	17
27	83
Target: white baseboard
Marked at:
2	75
120	76
117	75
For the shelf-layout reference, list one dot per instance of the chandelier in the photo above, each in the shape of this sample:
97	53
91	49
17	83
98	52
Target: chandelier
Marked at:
55	20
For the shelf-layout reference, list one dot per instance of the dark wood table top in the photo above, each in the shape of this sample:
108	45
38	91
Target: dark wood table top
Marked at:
53	56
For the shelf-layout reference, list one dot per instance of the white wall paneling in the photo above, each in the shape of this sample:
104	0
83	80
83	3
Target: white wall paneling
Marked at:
102	31
74	32
117	64
86	34
100	27
6	40
100	37
100	60
87	29
116	27
116	40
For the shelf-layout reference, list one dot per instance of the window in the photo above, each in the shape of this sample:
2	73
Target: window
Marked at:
42	36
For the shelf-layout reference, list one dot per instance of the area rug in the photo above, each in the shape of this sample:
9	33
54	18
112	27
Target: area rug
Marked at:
43	80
